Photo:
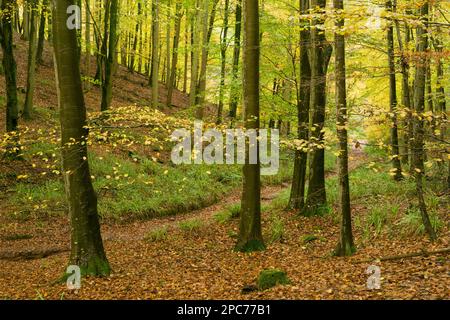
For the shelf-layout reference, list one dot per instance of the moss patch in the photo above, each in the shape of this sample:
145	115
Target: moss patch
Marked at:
272	277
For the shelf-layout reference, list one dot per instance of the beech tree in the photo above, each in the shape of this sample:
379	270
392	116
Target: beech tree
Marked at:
9	65
31	69
250	234
419	108
87	250
297	196
395	152
345	245
320	55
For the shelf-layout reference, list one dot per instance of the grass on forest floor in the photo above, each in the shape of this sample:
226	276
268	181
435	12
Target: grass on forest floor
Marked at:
136	190
380	204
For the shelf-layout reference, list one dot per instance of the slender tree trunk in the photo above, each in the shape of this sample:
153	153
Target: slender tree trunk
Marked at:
297	196
195	54
87	250
88	43
169	21
40	48
406	95
201	89
135	41
419	106
234	91
26	23
320	56
110	57
223	60
155	53
10	69
441	107
345	245
395	148
31	76
186	54
250	234
176	41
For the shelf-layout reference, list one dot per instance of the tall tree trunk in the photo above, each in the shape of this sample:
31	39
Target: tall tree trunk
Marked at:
88	43
223	60
10	69
26	20
250	234
135	41
87	250
320	56
234	91
419	106
207	32
406	95
110	57
195	54
345	245
169	21
395	148
155	53
31	69
186	54
441	98
40	48
176	41
297	196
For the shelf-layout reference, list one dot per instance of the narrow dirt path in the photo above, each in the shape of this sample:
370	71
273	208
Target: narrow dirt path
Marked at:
137	230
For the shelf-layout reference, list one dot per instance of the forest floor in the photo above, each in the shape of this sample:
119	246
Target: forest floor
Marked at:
190	255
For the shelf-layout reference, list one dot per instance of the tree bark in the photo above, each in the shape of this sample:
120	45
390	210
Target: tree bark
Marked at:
110	56
201	89
250	234
155	54
223	60
406	94
419	106
31	69
234	91
395	148
87	250
176	41
9	66
297	196
345	245
320	56
40	48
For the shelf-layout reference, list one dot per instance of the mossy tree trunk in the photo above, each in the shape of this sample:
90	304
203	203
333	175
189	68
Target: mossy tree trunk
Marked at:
234	91
31	69
419	106
320	56
10	69
195	53
297	196
87	250
176	40
110	56
223	60
26	22
41	38
406	95
250	234
155	54
395	148
207	32
345	245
